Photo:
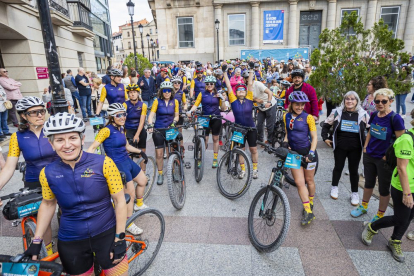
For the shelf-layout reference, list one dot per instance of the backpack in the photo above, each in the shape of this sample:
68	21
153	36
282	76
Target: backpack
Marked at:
390	158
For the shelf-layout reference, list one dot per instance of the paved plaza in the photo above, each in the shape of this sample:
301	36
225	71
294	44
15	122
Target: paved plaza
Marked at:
209	236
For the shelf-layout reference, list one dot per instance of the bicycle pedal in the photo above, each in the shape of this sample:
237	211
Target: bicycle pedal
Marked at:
190	147
187	165
16	223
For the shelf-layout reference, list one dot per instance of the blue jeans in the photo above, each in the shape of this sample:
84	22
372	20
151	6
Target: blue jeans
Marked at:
75	96
149	105
85	102
3	122
400	102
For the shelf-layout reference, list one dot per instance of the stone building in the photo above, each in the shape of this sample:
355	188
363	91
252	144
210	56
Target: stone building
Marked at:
187	30
118	48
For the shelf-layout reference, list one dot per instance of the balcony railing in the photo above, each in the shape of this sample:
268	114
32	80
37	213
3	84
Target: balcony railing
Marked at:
80	15
58	5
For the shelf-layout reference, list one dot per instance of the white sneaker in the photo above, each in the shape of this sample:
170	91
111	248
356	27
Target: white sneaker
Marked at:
142	207
403	116
134	230
255	174
242	174
355	199
410	235
334	192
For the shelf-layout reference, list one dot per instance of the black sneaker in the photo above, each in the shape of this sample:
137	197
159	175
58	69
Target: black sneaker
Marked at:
2	136
307	218
8	134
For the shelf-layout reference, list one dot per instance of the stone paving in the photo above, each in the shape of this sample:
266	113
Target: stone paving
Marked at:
209	236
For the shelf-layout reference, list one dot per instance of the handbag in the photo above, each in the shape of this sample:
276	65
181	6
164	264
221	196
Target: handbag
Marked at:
8	104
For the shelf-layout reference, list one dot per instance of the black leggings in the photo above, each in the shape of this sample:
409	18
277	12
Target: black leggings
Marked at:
354	156
401	218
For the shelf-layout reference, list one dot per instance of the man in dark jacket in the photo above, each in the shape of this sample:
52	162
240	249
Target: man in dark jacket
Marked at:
70	83
147	85
161	77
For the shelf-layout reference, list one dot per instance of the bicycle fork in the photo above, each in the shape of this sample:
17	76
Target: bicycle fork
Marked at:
271	180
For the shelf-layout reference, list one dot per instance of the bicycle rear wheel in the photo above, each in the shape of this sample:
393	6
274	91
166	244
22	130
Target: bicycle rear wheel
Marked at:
29	233
142	249
199	153
150	172
176	182
268	227
230	184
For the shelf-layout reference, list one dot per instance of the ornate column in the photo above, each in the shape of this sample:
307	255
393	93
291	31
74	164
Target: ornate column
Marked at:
330	22
255	35
293	24
372	10
409	28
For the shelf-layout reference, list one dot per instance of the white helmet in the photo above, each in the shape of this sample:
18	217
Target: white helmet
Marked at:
63	123
28	102
115	108
166	84
176	79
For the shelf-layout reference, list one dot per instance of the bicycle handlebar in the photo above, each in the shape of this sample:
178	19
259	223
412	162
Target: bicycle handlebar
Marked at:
279	152
24	191
57	268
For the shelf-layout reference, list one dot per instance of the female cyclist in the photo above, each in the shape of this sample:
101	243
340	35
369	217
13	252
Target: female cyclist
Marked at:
299	127
242	106
83	185
116	146
179	95
211	102
166	110
36	150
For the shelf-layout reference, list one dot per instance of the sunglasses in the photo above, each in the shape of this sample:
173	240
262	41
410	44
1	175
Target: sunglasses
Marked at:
383	101
209	83
120	115
166	91
291	124
36	113
241	89
176	82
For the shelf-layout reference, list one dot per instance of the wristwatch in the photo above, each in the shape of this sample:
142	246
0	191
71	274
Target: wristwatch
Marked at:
120	236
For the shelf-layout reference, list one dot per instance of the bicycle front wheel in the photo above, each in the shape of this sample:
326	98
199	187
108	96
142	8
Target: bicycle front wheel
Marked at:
199	152
142	249
176	182
269	221
29	233
150	173
232	182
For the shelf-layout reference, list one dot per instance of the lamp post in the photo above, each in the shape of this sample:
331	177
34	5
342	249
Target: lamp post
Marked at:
131	6
141	30
148	39
152	48
217	22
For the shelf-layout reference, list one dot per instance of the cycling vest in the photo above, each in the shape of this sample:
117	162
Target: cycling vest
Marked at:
37	153
179	97
133	114
219	84
165	113
115	144
298	137
258	74
199	86
83	196
243	112
115	94
211	104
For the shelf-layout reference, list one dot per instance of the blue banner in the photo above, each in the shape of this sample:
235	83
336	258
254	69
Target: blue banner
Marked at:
273	22
277	54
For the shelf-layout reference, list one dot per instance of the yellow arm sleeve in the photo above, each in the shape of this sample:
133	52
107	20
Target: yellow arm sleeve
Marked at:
282	94
185	80
124	104
199	98
126	94
311	122
46	191
192	84
102	135
112	175
154	106
103	95
232	97
144	109
184	100
177	106
249	95
14	150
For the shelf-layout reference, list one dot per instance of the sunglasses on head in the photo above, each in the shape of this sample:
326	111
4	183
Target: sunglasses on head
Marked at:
36	113
166	91
382	101
120	115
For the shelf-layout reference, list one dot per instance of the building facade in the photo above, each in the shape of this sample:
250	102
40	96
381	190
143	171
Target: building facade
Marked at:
117	48
187	30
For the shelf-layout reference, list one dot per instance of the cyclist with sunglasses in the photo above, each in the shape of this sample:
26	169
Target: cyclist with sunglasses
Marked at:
114	92
179	95
197	84
166	110
36	149
385	127
211	102
116	146
299	127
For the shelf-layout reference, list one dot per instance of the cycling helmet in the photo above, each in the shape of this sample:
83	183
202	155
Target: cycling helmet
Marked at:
197	63
28	102
200	70
63	123
245	74
176	79
210	79
256	65
164	69
216	66
243	64
166	85
115	73
298	97
285	83
115	108
182	70
218	72
239	85
297	72
230	67
132	87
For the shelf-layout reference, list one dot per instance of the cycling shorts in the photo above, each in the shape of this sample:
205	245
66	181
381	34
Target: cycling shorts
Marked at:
130	168
180	121
214	126
159	139
251	138
311	165
32	185
142	144
78	256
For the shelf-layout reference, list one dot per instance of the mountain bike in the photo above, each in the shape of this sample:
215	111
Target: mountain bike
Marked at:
279	130
199	139
231	181
98	123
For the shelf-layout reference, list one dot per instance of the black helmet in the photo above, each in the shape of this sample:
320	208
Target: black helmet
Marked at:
297	72
245	74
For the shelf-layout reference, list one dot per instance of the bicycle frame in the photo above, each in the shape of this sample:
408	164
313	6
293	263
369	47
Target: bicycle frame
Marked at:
274	180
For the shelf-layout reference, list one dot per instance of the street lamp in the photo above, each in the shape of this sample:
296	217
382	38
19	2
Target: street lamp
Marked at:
130	6
141	30
148	39
152	48
217	22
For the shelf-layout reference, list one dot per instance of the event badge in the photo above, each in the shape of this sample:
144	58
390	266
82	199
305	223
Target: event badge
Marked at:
311	166
293	161
96	121
171	134
349	126
379	132
238	137
203	121
14	269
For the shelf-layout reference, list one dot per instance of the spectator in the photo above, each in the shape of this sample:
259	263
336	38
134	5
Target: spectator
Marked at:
96	93
163	76
373	85
3	116
82	82
147	85
125	78
107	79
154	70
47	97
134	77
13	93
404	78
70	83
308	72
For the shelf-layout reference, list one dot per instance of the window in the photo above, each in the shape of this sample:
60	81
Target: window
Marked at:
150	31
117	48
185	32
390	15
349	11
237	29
129	44
128	34
80	59
156	31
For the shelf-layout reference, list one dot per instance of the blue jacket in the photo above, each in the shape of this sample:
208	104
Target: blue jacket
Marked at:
147	91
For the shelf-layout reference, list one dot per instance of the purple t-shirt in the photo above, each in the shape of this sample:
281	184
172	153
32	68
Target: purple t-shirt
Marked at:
377	147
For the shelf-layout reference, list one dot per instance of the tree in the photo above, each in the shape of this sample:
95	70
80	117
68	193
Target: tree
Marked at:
143	63
349	56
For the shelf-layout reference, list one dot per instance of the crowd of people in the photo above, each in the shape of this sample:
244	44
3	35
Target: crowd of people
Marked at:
136	105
